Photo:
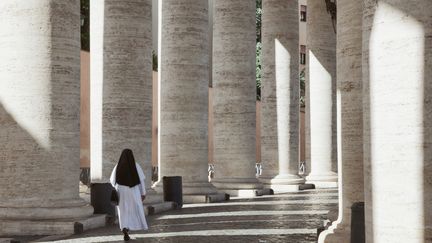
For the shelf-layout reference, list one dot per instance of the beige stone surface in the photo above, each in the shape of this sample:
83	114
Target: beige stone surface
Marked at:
210	127
39	112
350	117
184	74
234	92
302	135
85	111
397	68
280	93
321	84
121	84
155	119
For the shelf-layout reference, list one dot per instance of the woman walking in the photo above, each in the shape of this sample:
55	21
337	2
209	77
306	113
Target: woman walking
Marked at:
127	178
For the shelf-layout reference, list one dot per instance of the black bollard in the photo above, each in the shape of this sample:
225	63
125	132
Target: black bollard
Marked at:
100	197
78	228
173	190
357	223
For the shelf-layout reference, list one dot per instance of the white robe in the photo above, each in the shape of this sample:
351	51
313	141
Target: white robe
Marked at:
130	209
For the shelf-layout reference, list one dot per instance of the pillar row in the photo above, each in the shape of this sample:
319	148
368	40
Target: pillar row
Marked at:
121	91
39	117
350	118
184	79
280	95
321	85
234	37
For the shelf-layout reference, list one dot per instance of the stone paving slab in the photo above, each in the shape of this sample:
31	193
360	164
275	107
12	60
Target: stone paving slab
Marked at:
282	218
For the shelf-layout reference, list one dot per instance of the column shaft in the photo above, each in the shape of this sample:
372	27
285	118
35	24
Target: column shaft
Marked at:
121	88
280	95
321	43
350	117
234	99
39	115
397	75
184	94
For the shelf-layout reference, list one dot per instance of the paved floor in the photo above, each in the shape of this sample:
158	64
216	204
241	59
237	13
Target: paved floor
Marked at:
287	218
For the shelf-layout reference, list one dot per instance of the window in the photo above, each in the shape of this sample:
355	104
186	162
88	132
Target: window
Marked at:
303	54
303	13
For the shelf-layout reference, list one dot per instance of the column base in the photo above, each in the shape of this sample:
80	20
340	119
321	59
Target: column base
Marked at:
323	181
243	187
50	227
283	183
150	209
199	188
335	234
154	203
197	192
52	209
208	198
153	197
56	217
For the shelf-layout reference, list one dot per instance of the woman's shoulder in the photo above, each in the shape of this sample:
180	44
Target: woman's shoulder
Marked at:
138	166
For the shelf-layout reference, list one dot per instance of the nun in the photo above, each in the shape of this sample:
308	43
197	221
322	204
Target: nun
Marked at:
127	178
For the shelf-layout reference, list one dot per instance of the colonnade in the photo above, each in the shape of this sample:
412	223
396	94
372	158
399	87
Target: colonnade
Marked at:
321	96
184	77
120	91
375	71
280	95
384	63
234	37
39	117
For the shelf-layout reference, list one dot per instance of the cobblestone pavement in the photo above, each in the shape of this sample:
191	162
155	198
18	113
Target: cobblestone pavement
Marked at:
287	218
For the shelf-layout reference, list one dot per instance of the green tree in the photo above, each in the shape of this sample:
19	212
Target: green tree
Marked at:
258	47
154	61
85	25
302	87
258	69
258	19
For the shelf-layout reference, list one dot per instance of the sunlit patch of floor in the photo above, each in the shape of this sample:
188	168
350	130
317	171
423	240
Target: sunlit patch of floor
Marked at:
280	218
244	213
227	232
279	202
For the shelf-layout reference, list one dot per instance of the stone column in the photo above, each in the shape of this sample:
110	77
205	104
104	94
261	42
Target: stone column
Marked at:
397	75
280	95
234	97
321	68
350	117
39	117
184	94
121	91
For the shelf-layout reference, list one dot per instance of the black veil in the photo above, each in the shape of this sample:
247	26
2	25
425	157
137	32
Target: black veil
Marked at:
127	174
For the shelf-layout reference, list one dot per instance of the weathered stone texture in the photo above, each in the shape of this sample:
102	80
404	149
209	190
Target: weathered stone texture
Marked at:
281	218
39	111
321	84
397	75
234	93
184	71
121	84
280	93
350	116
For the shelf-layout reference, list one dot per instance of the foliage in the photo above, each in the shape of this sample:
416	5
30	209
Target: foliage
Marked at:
302	88
258	47
258	20
155	61
85	25
258	69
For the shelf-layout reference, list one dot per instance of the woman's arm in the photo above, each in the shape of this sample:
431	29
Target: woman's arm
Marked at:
142	180
113	176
